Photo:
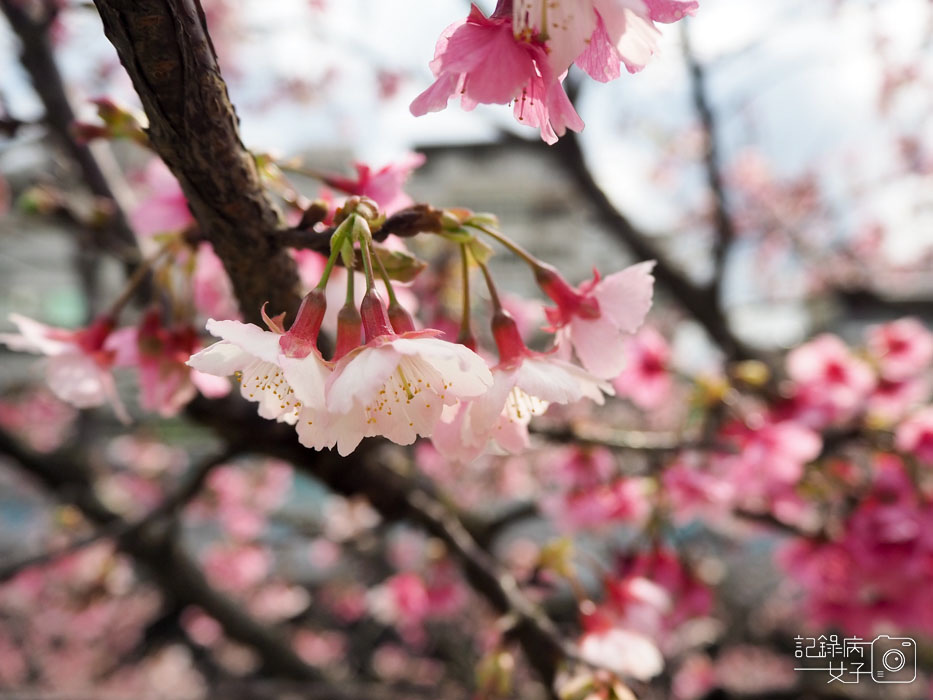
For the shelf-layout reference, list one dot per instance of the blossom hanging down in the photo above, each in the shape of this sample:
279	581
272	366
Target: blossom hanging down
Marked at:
481	60
282	372
396	385
600	315
522	52
79	364
524	384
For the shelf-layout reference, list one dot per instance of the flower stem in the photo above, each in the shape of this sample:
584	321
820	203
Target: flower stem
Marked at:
510	244
491	285
385	278
466	332
336	243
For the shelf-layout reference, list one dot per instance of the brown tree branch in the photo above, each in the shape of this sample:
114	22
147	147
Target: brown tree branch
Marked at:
724	226
165	47
38	58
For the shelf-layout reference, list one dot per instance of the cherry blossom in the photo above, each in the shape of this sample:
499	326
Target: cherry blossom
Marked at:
915	435
902	349
646	379
383	186
280	372
394	385
524	383
480	60
79	364
831	382
599	315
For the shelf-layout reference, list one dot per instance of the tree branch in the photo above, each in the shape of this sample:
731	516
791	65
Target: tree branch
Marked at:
699	301
165	47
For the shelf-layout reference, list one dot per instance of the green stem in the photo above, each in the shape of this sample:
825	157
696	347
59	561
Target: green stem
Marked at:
493	293
336	242
351	292
465	330
367	262
385	278
510	244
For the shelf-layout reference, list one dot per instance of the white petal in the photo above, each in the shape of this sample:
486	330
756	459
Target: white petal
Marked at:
599	345
220	359
254	340
360	378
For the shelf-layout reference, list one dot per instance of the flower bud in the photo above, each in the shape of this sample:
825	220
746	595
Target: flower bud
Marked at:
401	320
349	330
375	319
508	338
301	338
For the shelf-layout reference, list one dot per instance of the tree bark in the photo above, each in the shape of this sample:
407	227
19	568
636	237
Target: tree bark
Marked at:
165	47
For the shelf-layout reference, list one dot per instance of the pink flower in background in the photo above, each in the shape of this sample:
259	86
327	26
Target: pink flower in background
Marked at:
607	643
582	467
237	569
694	491
915	435
79	364
163	208
620	501
383	186
598	316
902	349
481	60
893	400
213	291
877	570
770	458
831	382
669	11
645	379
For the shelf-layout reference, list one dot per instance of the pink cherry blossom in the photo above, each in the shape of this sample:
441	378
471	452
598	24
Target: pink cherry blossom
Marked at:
394	386
620	501
524	383
902	349
599	315
915	435
646	379
694	491
482	61
278	377
213	291
78	368
831	381
770	459
383	186
626	652
164	207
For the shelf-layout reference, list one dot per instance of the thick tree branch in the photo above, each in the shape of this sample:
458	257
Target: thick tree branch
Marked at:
165	47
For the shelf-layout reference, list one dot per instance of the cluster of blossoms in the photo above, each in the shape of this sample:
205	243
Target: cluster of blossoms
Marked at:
522	52
387	378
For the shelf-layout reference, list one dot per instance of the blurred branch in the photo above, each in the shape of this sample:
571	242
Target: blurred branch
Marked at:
700	302
167	51
154	545
38	58
398	495
725	229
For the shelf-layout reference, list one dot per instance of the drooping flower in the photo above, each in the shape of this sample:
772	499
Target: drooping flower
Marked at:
79	364
282	372
395	386
599	315
160	354
482	61
524	384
